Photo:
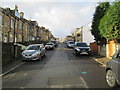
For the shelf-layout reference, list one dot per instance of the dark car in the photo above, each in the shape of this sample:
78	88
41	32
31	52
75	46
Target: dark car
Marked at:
65	42
112	70
54	42
81	48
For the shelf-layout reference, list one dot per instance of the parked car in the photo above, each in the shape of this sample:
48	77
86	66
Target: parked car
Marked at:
70	44
54	42
49	46
81	48
65	42
34	52
113	70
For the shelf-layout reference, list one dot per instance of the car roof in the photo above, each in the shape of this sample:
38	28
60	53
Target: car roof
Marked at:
35	44
70	41
50	43
80	42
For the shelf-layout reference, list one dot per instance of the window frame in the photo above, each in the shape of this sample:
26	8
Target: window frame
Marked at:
1	23
12	21
20	25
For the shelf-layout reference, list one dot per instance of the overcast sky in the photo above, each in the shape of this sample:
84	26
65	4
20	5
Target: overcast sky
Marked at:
59	17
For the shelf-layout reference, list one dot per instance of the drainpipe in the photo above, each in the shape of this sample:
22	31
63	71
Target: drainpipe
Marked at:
22	33
14	39
9	30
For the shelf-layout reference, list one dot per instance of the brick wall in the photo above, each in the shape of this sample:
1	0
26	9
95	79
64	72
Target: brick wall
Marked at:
94	47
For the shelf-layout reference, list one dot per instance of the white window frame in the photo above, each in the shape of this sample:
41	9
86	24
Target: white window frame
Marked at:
20	25
0	20
12	23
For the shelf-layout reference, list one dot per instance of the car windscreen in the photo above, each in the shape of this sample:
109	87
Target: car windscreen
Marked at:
53	42
71	42
49	44
33	47
82	45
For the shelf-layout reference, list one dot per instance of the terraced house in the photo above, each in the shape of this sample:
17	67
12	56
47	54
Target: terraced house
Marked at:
15	28
1	26
12	26
25	26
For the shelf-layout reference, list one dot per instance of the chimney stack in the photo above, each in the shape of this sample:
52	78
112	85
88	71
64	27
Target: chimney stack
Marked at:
16	8
21	14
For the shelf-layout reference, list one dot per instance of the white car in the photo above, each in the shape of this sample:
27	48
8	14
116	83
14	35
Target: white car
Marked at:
50	46
70	44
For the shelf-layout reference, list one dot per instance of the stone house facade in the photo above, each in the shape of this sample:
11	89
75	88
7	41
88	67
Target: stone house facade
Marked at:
15	28
78	35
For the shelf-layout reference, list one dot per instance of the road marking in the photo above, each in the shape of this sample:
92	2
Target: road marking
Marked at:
84	72
11	69
85	85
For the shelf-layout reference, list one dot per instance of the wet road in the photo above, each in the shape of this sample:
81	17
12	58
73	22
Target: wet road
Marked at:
59	69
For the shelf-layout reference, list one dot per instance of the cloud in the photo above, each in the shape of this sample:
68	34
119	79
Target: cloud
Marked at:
62	19
56	0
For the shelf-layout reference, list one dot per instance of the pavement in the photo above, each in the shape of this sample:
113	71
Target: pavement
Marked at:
10	66
101	59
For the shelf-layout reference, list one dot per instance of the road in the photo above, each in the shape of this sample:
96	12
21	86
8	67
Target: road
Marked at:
59	69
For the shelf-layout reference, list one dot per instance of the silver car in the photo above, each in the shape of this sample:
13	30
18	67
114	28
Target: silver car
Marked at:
34	52
70	44
112	70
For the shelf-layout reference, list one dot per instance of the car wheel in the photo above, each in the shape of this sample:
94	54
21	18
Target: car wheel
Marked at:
76	53
23	60
110	78
89	54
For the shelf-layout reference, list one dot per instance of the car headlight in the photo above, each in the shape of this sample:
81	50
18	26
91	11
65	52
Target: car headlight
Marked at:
23	54
35	54
77	49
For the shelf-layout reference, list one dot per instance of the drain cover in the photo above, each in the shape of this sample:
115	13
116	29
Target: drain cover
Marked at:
67	82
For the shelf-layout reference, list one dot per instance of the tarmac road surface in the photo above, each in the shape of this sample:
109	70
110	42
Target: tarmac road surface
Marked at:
59	69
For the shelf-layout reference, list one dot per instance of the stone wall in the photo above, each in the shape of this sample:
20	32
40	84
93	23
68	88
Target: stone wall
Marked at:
102	50
10	52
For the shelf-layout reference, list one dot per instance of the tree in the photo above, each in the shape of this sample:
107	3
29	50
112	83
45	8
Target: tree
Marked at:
109	26
99	13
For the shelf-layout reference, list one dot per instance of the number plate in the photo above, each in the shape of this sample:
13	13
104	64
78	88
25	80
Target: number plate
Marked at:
28	57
